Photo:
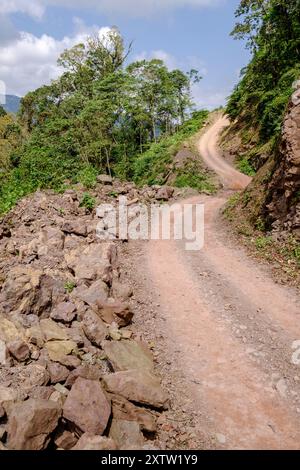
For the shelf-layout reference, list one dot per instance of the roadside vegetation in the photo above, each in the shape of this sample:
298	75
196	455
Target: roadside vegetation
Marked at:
258	104
283	253
256	108
272	31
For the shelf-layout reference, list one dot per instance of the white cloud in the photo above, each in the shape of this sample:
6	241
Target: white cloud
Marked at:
208	98
172	62
30	61
33	8
36	8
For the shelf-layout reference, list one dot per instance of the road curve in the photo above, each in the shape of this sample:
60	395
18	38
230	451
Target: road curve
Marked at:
208	148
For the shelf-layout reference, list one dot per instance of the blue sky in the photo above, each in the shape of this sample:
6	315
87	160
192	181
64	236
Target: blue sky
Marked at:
186	33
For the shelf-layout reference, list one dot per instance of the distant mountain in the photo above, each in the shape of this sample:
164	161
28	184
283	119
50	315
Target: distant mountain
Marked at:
12	103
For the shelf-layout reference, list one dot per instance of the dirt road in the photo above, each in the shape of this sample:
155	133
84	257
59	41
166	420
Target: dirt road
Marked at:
226	328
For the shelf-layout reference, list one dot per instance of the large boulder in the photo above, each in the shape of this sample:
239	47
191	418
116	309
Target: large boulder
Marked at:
126	434
127	355
76	227
58	373
94	296
28	291
87	407
31	423
9	331
123	409
94	328
164	194
105	179
93	262
65	440
86	371
64	312
137	386
19	350
52	331
58	350
115	312
91	442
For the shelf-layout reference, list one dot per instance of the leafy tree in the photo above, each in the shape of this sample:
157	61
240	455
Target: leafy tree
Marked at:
2	111
272	31
100	115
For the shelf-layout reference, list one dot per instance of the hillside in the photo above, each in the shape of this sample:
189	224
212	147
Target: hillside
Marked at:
12	103
263	138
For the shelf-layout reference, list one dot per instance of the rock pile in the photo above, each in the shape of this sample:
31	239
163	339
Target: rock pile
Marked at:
72	373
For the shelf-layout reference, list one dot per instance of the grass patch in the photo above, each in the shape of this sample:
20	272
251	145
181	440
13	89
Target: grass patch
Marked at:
193	176
153	166
88	201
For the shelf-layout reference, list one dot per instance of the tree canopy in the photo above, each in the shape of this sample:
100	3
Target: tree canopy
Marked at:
271	29
100	115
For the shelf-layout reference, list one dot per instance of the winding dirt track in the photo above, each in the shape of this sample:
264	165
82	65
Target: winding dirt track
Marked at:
232	328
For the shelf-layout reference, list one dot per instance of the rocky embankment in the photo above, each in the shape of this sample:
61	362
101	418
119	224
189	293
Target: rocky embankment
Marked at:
283	193
272	200
74	374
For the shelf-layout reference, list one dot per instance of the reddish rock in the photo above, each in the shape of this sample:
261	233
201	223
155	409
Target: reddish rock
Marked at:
31	423
121	291
94	328
126	434
58	373
92	442
92	262
96	294
41	392
33	375
2	412
123	409
165	193
87	407
65	440
19	350
64	312
116	312
84	371
127	355
76	227
137	386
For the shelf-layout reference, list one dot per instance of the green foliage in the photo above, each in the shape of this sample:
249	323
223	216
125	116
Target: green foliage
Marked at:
69	286
88	201
99	116
87	176
192	175
152	167
197	181
2	111
10	139
272	31
245	166
262	243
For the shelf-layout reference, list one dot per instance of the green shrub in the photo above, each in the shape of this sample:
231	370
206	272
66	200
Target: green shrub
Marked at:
88	201
87	176
245	167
